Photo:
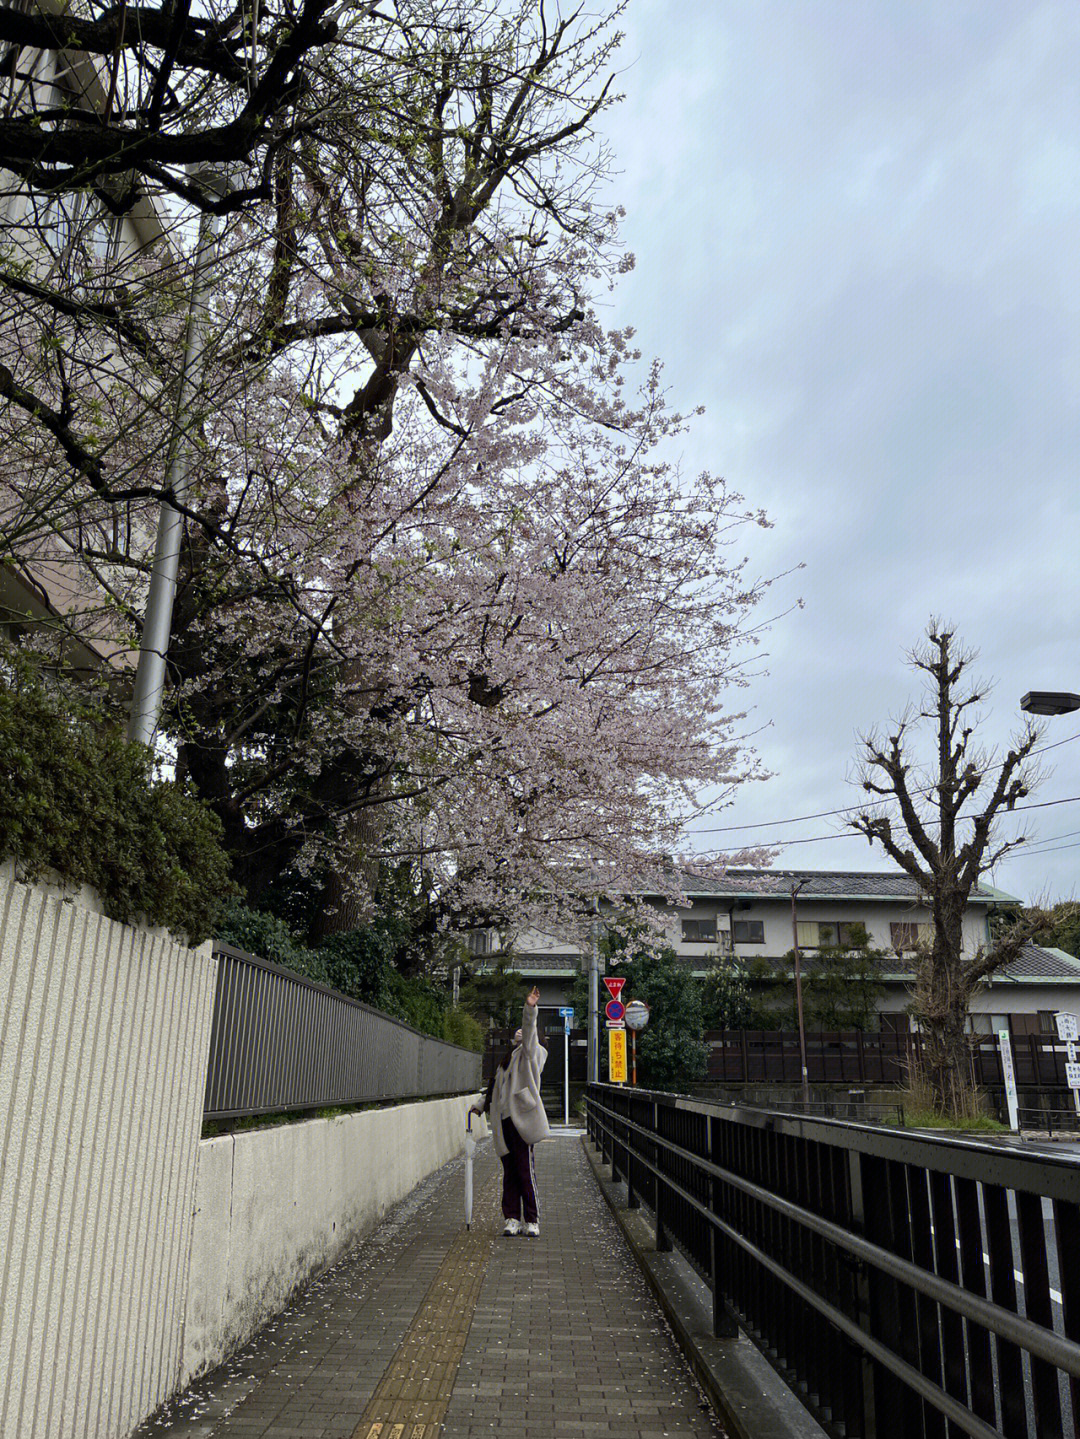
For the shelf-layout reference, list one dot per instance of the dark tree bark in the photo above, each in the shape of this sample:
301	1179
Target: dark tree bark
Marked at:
937	824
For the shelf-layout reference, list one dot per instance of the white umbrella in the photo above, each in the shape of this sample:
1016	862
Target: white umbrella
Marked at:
470	1150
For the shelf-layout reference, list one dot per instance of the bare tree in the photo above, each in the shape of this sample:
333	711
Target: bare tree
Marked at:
937	822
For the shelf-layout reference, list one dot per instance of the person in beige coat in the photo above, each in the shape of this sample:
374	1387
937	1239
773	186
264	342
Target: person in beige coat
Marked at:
518	1122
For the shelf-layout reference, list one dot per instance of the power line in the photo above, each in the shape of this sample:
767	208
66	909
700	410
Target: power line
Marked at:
850	808
842	834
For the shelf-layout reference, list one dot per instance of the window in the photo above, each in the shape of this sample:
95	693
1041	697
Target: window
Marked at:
1047	1021
749	931
699	931
910	936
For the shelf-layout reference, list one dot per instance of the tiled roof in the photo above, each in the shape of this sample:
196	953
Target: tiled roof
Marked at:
1035	962
821	884
530	963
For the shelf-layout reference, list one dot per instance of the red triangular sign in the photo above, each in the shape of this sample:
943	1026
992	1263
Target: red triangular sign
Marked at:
614	984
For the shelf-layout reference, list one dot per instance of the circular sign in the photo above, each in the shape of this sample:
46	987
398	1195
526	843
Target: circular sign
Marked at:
614	1010
637	1014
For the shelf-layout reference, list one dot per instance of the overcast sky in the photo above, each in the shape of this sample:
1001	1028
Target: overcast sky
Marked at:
857	231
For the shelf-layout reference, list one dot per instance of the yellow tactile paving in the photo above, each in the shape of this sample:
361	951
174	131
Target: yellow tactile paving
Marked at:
411	1398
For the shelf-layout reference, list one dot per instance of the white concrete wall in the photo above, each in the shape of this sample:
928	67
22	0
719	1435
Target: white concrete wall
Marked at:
275	1206
134	1255
104	1033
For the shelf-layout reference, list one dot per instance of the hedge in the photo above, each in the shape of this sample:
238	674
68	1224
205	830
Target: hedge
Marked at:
78	799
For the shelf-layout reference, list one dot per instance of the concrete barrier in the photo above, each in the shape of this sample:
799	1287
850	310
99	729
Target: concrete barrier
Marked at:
273	1207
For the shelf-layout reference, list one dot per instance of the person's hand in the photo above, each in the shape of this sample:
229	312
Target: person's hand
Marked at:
533	998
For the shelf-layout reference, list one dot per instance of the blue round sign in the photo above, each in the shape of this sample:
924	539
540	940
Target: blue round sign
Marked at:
614	1009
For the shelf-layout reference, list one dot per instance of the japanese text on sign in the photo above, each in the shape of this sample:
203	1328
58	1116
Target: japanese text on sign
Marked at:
617	1056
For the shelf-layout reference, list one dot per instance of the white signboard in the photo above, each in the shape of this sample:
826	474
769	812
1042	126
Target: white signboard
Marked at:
1012	1099
1068	1026
1072	1076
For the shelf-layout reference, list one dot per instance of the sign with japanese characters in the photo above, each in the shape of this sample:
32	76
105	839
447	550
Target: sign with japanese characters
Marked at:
617	1056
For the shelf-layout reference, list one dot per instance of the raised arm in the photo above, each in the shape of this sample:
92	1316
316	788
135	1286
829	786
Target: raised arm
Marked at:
529	1042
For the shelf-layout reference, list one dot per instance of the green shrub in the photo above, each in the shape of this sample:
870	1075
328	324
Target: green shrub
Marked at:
78	799
269	938
459	1027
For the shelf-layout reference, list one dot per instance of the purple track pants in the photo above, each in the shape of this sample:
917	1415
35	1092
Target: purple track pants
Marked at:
519	1177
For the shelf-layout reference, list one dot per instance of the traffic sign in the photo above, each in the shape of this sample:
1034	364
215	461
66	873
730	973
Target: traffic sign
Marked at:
614	1023
567	1014
617	1056
614	984
637	1014
614	1009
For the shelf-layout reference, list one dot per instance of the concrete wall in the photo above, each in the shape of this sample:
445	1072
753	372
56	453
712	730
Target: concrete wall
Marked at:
133	1254
104	1032
275	1206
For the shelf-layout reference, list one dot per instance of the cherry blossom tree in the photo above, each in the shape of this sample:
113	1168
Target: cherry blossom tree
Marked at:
447	602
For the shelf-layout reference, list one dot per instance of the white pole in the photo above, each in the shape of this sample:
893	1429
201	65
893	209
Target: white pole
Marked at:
157	621
566	1073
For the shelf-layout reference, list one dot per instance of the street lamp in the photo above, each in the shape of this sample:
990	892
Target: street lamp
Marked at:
1049	702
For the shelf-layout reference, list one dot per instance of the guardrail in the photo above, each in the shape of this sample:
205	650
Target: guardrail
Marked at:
282	1042
1048	1121
904	1285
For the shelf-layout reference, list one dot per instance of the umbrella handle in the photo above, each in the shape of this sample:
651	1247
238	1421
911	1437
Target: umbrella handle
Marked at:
468	1123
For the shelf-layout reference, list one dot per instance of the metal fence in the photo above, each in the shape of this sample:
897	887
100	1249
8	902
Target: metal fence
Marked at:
871	1057
907	1287
282	1042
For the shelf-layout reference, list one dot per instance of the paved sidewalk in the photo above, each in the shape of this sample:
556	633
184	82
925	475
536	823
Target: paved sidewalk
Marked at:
426	1331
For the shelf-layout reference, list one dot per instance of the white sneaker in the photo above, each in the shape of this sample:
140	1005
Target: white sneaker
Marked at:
513	1226
532	1230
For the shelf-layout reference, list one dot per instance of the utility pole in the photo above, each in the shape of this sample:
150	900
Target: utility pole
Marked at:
798	992
157	620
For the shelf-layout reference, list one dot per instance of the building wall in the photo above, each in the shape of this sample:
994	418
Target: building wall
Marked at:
104	1033
775	914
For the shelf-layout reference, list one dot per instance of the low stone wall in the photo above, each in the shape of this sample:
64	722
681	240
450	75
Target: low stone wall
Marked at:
274	1207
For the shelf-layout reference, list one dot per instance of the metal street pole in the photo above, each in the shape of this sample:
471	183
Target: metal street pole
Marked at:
798	994
157	621
594	1002
566	1072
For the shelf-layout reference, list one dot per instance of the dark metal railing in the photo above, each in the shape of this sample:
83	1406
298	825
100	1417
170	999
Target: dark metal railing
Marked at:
771	1056
281	1042
905	1285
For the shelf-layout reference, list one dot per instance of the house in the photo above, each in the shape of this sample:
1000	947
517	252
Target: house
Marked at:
749	914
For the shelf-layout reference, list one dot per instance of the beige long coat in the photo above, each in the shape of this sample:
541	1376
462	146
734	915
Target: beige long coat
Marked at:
516	1092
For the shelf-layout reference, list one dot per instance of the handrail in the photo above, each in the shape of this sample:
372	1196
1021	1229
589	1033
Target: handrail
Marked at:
1043	1343
899	1254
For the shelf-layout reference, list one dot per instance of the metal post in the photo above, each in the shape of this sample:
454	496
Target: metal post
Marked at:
798	993
566	1072
594	1002
157	620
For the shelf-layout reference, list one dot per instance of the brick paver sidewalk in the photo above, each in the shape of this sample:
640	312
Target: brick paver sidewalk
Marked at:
426	1331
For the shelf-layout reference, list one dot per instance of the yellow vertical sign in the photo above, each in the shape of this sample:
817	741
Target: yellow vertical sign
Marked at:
617	1056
